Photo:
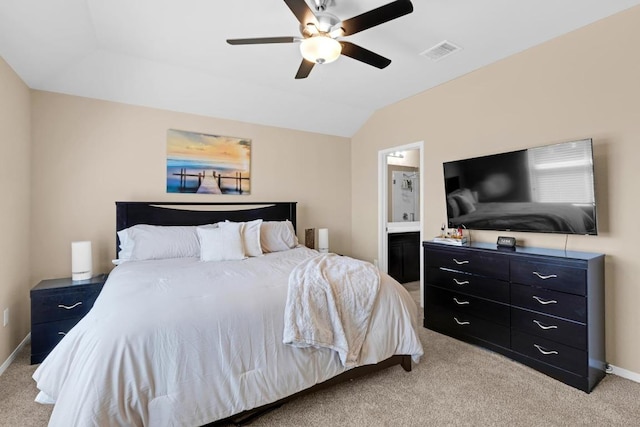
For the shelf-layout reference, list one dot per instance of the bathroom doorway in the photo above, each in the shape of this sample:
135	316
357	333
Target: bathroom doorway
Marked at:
400	180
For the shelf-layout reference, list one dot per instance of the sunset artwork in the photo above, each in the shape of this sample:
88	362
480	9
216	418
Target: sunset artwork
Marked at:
207	164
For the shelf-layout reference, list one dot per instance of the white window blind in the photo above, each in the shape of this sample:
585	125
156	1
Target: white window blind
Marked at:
562	173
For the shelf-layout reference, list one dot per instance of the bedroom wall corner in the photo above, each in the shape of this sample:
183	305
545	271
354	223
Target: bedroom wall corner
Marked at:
554	92
90	153
15	174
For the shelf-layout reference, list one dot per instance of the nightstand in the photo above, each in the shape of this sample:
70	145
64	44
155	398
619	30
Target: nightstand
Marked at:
56	306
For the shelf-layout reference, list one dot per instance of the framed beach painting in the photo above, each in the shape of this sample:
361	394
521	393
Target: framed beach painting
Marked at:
207	164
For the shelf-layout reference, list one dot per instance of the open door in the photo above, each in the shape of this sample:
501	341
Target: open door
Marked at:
400	180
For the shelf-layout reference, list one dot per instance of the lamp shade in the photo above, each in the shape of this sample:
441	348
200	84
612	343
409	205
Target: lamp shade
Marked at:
323	240
320	49
81	261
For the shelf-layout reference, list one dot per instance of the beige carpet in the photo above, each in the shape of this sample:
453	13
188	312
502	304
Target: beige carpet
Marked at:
455	384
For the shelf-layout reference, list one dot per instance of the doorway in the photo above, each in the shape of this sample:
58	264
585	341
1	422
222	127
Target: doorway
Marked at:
401	207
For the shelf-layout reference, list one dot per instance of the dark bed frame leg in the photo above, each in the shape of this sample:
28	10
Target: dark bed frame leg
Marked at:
406	363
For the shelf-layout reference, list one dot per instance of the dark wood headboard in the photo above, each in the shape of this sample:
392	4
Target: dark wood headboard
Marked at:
184	213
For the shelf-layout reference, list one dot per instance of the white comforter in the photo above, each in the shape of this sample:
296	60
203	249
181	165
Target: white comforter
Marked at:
183	343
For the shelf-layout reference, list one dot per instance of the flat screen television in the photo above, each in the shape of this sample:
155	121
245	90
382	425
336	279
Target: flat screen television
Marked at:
548	189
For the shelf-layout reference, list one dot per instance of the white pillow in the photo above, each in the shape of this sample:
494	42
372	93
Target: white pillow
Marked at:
143	242
250	232
276	236
223	243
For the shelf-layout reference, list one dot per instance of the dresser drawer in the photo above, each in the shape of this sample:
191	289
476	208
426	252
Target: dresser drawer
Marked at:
558	304
62	305
551	352
454	323
550	276
465	304
483	287
45	336
552	328
490	265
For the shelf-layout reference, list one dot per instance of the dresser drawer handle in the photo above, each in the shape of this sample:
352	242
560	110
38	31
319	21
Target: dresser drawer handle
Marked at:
543	302
545	327
460	302
461	282
62	333
543	351
543	277
460	262
69	307
461	323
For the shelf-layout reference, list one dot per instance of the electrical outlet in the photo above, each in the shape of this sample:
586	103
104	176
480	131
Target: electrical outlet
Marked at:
375	262
6	317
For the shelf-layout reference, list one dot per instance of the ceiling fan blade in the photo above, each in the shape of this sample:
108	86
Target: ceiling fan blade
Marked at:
364	55
262	40
303	12
377	16
305	69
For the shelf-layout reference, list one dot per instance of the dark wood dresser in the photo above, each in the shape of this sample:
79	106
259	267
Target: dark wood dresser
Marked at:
56	306
541	307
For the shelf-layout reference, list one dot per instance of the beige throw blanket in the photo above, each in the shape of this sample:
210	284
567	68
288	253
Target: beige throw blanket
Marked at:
329	304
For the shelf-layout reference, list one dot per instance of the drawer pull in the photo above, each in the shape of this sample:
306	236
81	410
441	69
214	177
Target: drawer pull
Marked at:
543	302
543	277
460	262
461	282
69	307
62	333
543	351
461	323
545	327
460	302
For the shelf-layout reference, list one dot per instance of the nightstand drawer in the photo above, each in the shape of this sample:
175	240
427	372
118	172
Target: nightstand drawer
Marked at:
45	336
484	287
464	304
63	305
551	352
552	328
550	276
558	304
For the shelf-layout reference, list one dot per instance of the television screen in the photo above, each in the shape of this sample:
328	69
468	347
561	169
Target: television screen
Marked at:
548	189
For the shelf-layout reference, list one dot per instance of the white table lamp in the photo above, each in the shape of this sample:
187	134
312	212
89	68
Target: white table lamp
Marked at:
81	262
323	240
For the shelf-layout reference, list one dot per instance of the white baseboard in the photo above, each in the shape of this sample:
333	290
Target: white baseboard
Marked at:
13	355
633	376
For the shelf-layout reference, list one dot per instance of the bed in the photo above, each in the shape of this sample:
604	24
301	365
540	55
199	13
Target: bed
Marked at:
179	341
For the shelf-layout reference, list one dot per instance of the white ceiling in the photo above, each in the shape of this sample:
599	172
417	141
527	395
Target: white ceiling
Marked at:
173	55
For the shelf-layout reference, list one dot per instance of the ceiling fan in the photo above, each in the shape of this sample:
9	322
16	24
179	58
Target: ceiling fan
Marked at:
320	31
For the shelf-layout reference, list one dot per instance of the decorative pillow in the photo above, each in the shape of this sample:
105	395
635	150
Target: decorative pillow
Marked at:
223	243
250	232
143	242
452	207
276	236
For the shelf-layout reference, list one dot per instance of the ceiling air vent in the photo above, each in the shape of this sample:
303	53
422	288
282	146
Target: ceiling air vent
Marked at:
440	50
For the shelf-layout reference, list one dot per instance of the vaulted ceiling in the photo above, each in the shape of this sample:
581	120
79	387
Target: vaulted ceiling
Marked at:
172	54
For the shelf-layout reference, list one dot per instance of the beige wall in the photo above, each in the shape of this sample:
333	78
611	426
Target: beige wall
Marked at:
584	84
14	209
88	153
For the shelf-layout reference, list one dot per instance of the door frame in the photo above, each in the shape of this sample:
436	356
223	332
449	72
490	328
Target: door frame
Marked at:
383	201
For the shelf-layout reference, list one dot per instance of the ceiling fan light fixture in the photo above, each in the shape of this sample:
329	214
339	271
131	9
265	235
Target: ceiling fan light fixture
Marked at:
320	49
